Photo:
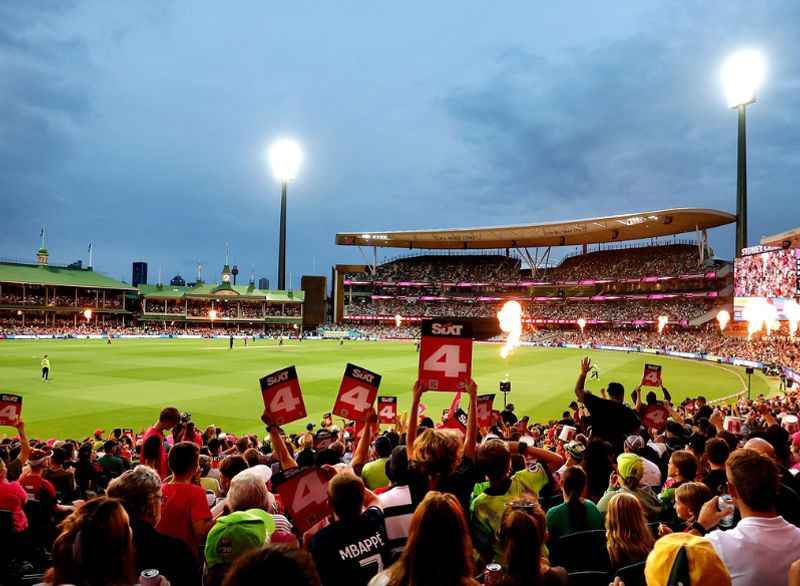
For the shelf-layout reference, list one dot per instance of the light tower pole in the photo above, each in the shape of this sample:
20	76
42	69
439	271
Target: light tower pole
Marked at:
285	157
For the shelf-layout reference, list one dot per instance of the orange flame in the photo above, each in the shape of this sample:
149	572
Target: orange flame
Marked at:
398	319
663	320
87	314
510	318
581	324
212	314
723	317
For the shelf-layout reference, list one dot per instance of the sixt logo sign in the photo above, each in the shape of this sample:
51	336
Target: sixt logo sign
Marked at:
447	329
278	377
365	376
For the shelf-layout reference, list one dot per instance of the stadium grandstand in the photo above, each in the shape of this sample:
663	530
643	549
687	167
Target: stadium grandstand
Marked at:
44	299
629	270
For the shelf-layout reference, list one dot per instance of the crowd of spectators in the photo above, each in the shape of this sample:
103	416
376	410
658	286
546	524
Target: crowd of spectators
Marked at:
627	263
446	269
34	296
702	495
605	263
679	310
771	274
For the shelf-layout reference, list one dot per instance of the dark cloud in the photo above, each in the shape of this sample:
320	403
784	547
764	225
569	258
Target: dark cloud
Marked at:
141	126
636	124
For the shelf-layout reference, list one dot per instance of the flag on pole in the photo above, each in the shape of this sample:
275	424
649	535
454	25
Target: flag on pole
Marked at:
90	247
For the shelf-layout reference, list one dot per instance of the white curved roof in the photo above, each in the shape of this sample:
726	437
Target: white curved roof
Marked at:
619	228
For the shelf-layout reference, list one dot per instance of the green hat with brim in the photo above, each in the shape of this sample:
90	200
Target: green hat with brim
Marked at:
237	533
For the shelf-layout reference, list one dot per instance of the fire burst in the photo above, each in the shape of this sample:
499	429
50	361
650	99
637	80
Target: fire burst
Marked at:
581	324
398	319
723	317
87	314
212	314
663	320
510	318
760	313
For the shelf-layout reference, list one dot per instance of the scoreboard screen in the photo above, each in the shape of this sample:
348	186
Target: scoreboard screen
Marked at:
771	275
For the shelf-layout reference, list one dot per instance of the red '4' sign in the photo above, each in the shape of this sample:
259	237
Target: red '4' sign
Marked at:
652	375
445	355
485	410
357	393
655	417
10	409
387	409
283	400
304	493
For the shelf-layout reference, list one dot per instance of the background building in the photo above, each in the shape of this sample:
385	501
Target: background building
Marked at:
139	276
263	283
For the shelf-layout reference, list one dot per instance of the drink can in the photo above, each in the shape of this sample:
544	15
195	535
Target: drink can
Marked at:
493	574
150	578
725	503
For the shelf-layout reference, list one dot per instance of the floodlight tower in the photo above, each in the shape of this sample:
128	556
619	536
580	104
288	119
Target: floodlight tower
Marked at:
742	75
285	157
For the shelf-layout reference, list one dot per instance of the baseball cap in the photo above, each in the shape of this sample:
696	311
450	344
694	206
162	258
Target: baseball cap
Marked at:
634	442
237	533
630	466
685	559
99	431
38	457
575	449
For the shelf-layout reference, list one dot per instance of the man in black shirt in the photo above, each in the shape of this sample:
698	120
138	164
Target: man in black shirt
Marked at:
611	419
353	548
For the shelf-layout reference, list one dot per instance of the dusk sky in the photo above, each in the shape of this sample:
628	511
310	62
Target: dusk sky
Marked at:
142	126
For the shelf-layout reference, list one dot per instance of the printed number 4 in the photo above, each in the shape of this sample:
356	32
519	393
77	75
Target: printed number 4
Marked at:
9	413
284	401
310	491
446	360
357	397
387	412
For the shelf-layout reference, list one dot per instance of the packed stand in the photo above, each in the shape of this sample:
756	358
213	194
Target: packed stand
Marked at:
700	495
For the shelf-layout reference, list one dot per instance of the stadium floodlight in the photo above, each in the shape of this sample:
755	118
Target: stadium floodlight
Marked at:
285	157
742	75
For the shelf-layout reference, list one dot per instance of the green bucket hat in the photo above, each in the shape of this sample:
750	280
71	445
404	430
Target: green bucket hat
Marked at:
237	533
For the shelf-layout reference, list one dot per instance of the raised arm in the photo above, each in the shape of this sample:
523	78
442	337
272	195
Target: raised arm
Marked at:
551	459
413	419
471	440
25	445
580	392
361	455
278	445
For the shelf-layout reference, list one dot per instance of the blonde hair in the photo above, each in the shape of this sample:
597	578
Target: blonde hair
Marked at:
694	495
437	452
628	537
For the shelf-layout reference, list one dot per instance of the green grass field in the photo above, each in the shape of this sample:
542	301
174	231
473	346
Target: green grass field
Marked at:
125	384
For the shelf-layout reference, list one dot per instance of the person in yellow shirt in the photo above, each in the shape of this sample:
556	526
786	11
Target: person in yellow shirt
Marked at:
45	368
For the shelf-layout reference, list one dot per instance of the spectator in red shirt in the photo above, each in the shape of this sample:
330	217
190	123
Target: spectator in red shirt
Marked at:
185	513
167	419
35	485
12	499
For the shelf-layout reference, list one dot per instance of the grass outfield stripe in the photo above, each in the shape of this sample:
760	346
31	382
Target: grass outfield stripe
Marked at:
127	383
